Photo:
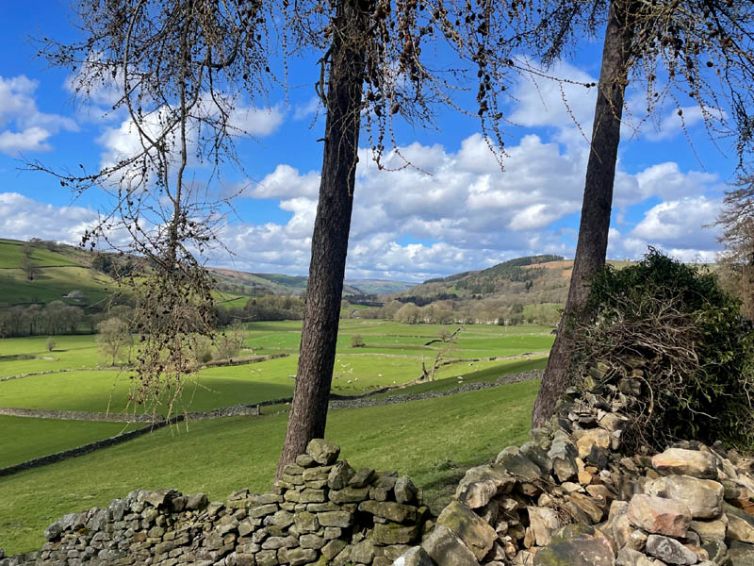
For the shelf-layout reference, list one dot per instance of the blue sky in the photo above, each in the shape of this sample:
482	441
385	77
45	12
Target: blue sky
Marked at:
455	211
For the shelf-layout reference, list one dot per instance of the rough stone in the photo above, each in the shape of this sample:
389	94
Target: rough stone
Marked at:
446	549
670	550
341	519
415	556
543	522
581	551
740	525
741	554
393	511
563	455
630	557
704	498
475	532
680	461
339	475
333	548
518	465
322	452
297	556
587	439
394	533
405	490
659	515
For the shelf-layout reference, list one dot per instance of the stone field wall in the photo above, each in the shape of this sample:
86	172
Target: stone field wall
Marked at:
322	511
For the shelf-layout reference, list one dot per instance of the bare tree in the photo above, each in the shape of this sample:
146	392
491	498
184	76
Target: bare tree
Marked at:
737	222
175	66
682	50
113	337
27	262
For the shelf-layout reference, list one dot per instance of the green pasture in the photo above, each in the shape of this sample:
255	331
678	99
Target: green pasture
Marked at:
52	284
27	438
393	356
19	356
11	255
23	439
433	441
212	388
56	275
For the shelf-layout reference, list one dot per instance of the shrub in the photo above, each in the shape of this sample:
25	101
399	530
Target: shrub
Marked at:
671	329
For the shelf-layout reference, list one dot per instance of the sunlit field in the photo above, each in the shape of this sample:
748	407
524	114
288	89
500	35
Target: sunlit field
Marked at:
433	440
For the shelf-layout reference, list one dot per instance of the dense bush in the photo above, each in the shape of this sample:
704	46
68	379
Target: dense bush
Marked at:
671	329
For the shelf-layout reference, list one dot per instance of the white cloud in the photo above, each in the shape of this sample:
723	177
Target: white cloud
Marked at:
459	211
310	109
23	127
680	223
23	218
673	123
257	122
285	181
561	101
556	98
125	140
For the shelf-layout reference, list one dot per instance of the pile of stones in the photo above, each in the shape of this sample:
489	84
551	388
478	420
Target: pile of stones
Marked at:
570	497
322	511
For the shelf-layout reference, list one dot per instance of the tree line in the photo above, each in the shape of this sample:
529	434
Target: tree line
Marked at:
177	62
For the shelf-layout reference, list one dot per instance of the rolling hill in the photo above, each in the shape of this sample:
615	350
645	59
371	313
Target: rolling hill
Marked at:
525	280
40	272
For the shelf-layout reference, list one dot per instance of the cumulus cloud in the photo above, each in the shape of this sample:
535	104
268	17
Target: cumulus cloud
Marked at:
458	212
554	97
684	228
23	127
455	211
23	218
125	140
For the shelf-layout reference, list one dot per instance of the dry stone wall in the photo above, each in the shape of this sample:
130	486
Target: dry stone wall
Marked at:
570	497
321	512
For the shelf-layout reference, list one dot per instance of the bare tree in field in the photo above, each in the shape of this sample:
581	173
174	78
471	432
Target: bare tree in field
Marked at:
173	67
113	336
695	52
737	222
27	262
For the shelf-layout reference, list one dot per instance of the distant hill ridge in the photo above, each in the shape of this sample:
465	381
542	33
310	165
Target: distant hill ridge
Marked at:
534	279
38	272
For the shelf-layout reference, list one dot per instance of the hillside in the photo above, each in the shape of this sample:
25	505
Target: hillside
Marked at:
45	272
41	272
525	280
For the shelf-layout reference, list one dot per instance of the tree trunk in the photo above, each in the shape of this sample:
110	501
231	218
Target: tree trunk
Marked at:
591	249
308	414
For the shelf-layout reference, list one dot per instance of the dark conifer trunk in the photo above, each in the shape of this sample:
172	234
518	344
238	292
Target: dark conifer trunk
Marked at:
591	249
308	414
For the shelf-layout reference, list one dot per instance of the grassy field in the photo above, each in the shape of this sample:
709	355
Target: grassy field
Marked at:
23	439
393	355
431	440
